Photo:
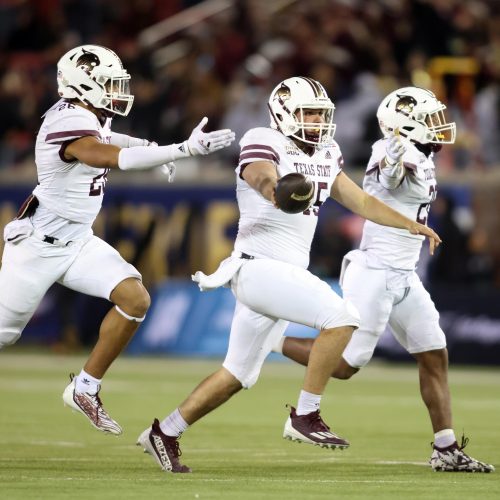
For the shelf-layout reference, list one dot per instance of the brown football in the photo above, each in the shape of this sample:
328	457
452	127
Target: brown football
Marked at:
294	193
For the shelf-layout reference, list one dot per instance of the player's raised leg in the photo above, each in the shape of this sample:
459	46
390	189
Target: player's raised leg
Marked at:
82	394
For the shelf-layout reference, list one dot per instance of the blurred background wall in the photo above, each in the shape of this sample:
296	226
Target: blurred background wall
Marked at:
221	58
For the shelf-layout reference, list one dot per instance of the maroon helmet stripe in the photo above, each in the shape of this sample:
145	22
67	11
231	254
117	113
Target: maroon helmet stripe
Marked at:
314	85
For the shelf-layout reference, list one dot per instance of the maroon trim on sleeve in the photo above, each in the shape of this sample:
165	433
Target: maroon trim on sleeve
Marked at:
340	162
245	165
261	146
259	156
411	167
71	133
373	169
62	150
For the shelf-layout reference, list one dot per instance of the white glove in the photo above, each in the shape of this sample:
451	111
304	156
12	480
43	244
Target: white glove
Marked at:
395	149
168	169
201	143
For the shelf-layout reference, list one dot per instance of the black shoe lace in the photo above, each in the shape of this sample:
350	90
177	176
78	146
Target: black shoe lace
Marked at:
464	442
173	447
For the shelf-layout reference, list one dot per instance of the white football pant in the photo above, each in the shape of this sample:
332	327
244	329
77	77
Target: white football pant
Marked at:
410	313
31	266
270	294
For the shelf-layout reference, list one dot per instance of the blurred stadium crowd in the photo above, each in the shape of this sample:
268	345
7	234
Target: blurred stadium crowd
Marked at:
225	64
221	58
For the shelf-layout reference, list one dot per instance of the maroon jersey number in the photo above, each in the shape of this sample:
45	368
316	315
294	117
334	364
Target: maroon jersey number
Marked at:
98	183
317	204
424	208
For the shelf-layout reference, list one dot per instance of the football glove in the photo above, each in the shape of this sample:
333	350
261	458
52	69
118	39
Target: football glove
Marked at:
203	143
168	169
395	149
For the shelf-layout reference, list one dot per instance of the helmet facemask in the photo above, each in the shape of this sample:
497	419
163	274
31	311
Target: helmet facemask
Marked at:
441	132
289	104
117	97
314	132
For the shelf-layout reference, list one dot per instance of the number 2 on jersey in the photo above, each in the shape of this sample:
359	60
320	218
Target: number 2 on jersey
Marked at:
98	183
424	208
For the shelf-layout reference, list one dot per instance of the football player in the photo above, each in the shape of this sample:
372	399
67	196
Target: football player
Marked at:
380	279
51	239
267	271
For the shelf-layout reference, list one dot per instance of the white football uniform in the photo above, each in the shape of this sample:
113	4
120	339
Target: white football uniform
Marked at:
267	271
380	277
56	243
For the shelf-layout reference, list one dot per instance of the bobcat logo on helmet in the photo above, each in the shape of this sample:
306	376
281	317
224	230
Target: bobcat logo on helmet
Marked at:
406	104
283	93
88	61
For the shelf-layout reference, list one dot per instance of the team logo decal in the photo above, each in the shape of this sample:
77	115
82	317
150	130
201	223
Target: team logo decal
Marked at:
87	61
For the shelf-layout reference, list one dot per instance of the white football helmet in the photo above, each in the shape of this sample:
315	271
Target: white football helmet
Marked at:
95	75
418	115
287	103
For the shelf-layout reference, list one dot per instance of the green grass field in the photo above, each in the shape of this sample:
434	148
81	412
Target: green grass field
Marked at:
48	452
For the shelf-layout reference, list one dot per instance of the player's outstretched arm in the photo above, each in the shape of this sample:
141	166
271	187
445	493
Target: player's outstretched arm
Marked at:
199	143
263	177
92	152
349	194
127	141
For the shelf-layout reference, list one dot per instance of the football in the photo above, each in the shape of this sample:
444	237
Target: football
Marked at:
294	193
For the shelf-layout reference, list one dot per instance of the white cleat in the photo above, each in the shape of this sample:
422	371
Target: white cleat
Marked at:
453	459
90	405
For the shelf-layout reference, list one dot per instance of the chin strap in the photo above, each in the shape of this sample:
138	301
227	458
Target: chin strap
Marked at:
127	316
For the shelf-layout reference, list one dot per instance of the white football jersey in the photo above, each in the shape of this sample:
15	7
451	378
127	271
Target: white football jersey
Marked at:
71	190
391	247
265	231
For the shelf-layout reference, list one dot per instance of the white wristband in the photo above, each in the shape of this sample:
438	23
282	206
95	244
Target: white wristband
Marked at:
144	157
391	174
126	141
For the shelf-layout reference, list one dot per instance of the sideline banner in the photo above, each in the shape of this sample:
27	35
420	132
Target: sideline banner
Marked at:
184	321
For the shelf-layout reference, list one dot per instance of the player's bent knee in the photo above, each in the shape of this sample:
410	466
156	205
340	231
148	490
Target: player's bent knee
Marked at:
434	360
247	380
347	315
8	336
344	371
142	302
136	305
